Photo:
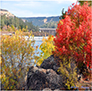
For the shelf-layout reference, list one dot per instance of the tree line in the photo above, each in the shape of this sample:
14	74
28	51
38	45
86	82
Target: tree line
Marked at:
17	23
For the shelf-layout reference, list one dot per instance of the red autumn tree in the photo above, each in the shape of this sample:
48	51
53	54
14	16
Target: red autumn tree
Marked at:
74	32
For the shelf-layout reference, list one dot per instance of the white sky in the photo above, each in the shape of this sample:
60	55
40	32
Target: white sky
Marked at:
35	8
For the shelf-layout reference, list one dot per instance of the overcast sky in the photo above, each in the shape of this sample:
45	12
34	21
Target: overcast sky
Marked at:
35	8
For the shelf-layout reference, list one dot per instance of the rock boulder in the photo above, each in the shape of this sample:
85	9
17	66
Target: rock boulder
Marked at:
39	78
46	76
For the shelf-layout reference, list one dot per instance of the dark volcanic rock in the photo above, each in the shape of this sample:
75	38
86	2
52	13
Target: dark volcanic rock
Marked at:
50	63
46	76
39	78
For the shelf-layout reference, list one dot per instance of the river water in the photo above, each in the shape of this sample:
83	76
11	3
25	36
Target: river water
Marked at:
38	41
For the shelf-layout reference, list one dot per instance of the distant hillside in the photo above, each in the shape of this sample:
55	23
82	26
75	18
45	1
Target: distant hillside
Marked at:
8	19
33	23
52	24
39	21
6	13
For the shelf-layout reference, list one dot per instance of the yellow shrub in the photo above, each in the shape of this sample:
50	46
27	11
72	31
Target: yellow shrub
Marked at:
17	54
46	49
68	73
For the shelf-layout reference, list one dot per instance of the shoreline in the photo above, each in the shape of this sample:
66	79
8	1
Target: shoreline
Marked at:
40	34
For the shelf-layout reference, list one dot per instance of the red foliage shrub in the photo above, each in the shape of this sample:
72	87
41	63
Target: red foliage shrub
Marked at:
73	38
